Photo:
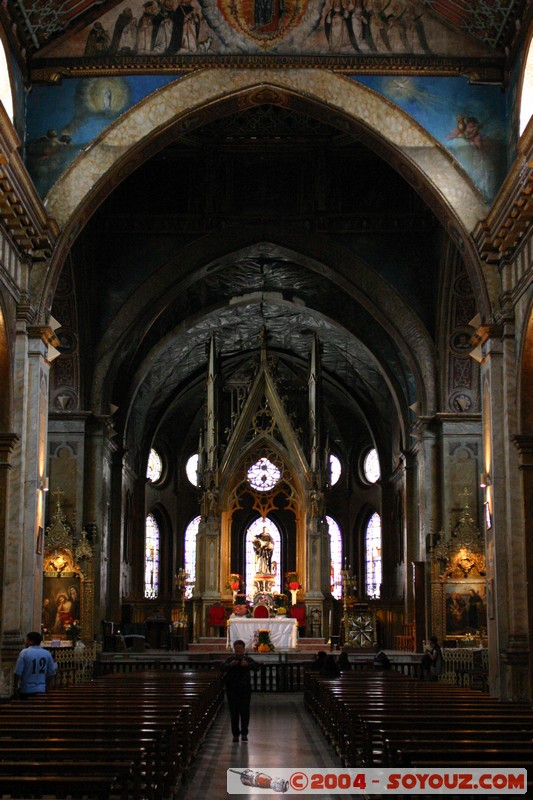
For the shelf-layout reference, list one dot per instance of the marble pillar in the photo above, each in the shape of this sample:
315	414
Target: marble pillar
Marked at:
506	551
25	518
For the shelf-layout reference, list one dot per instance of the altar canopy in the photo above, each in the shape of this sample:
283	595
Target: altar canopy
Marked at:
283	631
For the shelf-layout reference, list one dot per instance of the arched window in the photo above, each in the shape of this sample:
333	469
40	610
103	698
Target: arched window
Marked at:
335	546
256	528
6	92
371	470
373	556
151	557
190	554
526	98
335	469
191	468
154	469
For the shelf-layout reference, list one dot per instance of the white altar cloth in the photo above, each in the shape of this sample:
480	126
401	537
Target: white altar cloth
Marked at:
283	631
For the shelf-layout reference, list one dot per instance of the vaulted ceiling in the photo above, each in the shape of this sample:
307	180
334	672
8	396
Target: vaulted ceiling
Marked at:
267	220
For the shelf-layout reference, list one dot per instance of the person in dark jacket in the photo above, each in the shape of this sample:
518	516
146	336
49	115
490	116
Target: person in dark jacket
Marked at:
237	669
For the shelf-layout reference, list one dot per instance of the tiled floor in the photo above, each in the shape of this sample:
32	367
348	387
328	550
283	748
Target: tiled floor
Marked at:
282	734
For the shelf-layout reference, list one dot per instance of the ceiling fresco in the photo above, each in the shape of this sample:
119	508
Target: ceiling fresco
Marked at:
65	28
138	28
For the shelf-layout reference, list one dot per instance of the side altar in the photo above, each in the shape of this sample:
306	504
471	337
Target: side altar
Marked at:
283	631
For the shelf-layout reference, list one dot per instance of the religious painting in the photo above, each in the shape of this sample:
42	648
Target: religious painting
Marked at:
63	120
470	123
263	20
161	29
61	603
466	608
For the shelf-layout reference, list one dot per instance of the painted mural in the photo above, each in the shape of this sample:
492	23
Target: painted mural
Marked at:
62	120
240	27
469	120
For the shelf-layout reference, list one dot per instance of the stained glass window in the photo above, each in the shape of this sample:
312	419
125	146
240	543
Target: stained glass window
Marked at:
371	468
155	466
526	100
151	558
335	469
256	528
191	469
263	475
335	546
373	556
190	554
6	93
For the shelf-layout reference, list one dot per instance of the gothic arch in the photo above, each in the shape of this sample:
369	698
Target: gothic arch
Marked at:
351	274
190	101
148	397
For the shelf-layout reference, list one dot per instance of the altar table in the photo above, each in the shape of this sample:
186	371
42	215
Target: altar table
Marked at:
283	631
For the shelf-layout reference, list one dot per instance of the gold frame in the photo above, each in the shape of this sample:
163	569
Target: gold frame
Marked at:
68	563
458	566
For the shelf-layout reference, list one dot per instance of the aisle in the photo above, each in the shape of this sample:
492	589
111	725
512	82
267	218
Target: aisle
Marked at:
282	734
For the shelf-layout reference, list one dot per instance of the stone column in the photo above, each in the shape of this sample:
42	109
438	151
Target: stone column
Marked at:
506	547
516	654
23	564
410	533
101	450
429	509
7	443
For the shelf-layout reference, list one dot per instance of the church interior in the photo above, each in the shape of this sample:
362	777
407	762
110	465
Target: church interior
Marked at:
266	328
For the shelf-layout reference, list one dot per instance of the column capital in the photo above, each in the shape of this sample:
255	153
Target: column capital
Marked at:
43	332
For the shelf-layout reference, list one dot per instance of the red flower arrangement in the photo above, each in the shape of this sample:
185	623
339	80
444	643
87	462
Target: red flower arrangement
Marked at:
291	579
234	581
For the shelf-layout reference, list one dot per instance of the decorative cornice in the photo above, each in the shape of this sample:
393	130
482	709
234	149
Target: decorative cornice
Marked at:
502	231
7	444
22	212
485	69
524	445
484	333
43	332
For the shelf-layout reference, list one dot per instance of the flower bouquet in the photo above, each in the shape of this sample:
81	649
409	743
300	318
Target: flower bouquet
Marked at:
293	584
234	581
240	607
73	630
280	603
264	645
291	579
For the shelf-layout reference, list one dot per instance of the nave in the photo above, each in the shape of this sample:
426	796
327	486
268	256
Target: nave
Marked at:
282	734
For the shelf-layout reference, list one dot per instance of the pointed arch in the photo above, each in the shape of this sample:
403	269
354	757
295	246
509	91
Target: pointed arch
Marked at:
190	101
189	550
373	555
251	531
152	544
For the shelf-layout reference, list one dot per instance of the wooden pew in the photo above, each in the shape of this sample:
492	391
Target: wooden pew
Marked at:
152	719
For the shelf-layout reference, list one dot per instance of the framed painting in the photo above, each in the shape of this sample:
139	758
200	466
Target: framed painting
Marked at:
61	602
466	607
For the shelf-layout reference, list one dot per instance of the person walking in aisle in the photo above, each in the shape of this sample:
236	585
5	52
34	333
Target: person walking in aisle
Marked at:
237	669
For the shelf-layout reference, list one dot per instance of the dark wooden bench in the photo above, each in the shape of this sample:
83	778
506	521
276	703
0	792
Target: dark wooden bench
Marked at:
368	719
152	719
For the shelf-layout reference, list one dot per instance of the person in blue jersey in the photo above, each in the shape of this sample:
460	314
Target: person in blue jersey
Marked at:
35	669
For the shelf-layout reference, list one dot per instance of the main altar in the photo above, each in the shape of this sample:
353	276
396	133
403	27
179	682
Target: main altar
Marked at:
283	631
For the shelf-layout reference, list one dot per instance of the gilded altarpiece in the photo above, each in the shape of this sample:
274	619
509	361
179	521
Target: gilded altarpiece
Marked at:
68	581
458	584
